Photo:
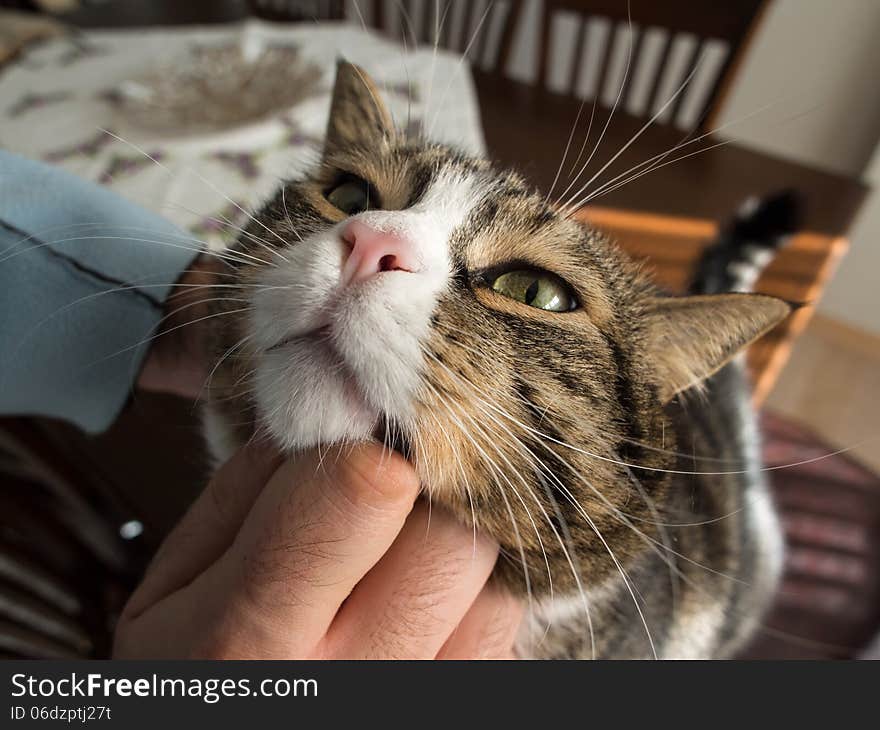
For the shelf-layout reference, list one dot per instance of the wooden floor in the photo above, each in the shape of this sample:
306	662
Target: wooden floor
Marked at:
831	383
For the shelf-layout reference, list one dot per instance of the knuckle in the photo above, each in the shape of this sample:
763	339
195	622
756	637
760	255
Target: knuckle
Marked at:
372	477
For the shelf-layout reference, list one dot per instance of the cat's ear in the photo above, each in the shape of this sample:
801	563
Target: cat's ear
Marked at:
689	338
358	116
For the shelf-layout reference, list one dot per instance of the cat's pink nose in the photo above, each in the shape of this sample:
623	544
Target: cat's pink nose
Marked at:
372	251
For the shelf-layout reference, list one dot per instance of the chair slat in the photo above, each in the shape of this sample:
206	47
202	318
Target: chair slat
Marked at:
653	94
579	47
610	40
635	55
687	78
730	22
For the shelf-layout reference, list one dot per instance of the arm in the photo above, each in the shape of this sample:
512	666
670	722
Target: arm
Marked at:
84	279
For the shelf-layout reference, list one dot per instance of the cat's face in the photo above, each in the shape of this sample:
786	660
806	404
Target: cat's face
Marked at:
407	293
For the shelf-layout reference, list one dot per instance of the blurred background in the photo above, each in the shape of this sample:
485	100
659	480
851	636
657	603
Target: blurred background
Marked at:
683	109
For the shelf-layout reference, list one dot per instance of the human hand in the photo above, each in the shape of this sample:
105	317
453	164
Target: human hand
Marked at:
177	360
318	558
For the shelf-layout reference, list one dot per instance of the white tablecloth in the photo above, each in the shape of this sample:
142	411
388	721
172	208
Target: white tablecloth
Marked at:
57	99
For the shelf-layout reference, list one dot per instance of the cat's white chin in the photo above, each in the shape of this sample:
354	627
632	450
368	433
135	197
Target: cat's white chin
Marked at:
333	359
305	396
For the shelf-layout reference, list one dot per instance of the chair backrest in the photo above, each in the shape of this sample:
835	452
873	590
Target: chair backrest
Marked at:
68	554
583	47
291	11
480	30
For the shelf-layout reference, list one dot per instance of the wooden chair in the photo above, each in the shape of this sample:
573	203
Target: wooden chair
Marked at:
69	549
671	41
671	246
293	11
480	30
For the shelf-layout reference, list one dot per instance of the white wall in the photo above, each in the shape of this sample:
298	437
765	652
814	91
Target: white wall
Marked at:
821	60
854	294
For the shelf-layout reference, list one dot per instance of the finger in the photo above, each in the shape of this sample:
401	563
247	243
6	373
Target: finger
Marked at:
489	628
208	527
312	534
409	604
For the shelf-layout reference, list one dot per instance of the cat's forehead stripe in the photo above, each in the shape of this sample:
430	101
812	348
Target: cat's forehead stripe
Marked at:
452	194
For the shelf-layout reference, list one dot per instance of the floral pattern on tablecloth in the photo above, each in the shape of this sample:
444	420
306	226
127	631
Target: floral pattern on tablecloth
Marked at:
225	224
126	165
61	103
88	147
30	101
246	164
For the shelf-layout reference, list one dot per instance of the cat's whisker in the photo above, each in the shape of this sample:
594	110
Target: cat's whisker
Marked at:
254	239
480	429
224	221
408	22
685	142
620	515
723	143
531	456
220	362
567	148
464	480
172	329
158	242
662	531
287	213
537	461
121	289
613	108
198	175
680	454
363	23
460	64
583	148
733	472
691	583
656	166
438	24
496	471
39	234
628	144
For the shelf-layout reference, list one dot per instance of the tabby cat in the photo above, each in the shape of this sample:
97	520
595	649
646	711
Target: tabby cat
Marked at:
542	387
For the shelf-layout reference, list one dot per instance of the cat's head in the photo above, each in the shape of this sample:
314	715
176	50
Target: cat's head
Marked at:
403	291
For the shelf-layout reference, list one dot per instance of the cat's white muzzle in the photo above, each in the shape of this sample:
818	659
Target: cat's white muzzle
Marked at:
335	353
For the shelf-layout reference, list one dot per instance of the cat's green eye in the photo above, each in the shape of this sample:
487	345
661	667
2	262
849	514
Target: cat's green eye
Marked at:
351	196
539	289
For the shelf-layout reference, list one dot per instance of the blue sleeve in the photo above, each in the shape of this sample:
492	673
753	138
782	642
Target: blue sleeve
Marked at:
83	278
